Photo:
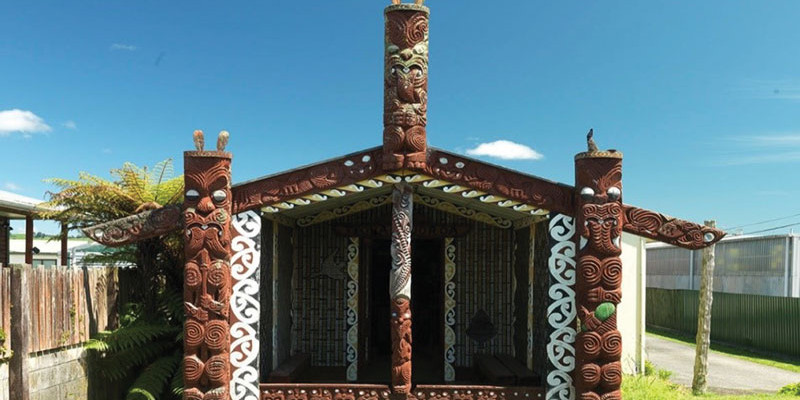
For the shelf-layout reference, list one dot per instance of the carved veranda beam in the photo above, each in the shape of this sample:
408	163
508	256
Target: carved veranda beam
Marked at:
500	181
598	284
313	179
663	228
207	274
400	287
405	96
136	227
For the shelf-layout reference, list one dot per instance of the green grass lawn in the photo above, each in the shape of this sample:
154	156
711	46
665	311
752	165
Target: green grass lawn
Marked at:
654	387
761	358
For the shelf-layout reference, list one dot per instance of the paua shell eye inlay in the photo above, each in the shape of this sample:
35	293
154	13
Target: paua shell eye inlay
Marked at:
192	195
613	193
587	193
219	196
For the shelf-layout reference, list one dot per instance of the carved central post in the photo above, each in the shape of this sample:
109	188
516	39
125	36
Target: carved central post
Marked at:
598	176
400	287
405	99
207	274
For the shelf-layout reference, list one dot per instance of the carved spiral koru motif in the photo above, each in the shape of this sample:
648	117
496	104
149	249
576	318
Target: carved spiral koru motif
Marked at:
352	309
449	310
663	228
207	240
245	305
561	312
401	345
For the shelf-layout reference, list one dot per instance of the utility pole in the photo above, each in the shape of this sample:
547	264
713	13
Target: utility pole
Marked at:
699	383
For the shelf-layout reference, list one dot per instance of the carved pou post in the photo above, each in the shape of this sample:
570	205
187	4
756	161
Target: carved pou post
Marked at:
405	99
598	178
207	275
400	287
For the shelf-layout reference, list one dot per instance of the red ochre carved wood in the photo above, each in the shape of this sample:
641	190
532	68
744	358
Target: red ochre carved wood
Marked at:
663	228
405	98
311	179
382	392
500	181
207	275
400	287
137	227
598	372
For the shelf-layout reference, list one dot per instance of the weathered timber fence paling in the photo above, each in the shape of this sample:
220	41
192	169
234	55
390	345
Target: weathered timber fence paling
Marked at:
763	323
66	305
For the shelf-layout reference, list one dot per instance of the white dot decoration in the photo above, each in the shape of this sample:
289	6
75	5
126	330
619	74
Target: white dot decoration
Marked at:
366	158
349	163
443	160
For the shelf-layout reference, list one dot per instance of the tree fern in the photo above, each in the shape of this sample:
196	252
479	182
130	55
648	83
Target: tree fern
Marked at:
152	382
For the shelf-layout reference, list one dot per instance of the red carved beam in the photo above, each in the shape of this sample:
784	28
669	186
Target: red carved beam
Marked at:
663	228
405	89
500	181
144	225
598	284
207	274
312	179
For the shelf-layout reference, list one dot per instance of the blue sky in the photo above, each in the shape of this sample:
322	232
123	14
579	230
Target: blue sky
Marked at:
702	97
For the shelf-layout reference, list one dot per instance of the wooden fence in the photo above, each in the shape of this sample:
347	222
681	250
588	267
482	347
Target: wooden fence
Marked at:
765	323
66	305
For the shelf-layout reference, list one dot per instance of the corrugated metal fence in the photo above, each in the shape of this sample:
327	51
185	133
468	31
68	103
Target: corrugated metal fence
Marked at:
764	323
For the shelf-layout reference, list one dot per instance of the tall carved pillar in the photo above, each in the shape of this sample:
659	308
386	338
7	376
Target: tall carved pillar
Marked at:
405	99
207	274
400	287
598	176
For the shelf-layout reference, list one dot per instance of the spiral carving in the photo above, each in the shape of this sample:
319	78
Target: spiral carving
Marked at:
611	375
192	277
612	344
591	270
217	332
615	395
193	333
416	29
590	344
589	396
192	394
192	370
217	369
612	274
590	375
218	275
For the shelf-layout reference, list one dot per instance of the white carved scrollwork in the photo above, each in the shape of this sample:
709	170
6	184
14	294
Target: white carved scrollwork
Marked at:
352	309
245	305
449	310
561	312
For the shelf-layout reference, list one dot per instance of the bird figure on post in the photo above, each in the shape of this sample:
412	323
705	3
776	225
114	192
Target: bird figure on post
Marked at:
199	142
417	2
590	141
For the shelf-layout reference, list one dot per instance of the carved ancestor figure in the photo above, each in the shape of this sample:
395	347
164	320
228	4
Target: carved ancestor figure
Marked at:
400	287
207	279
405	104
598	284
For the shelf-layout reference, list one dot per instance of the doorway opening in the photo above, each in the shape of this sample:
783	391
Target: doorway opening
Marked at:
426	310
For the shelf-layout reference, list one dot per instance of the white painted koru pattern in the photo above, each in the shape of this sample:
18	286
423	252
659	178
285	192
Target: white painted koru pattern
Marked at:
352	309
245	305
449	310
561	311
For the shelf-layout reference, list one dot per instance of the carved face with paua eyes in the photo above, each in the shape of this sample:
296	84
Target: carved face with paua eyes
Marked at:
601	215
207	203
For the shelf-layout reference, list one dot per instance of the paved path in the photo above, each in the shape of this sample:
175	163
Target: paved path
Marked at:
726	374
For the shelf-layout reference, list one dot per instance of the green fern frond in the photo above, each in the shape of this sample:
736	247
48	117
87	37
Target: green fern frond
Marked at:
136	335
117	365
176	384
152	381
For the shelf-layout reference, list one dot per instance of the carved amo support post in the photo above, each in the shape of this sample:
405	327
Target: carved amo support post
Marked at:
405	98
598	176
400	287
207	274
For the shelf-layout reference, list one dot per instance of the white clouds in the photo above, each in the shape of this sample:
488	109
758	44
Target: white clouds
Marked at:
774	148
71	125
506	150
26	122
11	186
122	46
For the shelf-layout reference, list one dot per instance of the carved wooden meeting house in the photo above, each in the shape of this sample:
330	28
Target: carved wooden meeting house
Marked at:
298	286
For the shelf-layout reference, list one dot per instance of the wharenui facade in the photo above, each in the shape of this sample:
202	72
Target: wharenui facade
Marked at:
402	271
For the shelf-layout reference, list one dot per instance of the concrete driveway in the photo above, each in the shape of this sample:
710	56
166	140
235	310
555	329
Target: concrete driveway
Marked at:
726	374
